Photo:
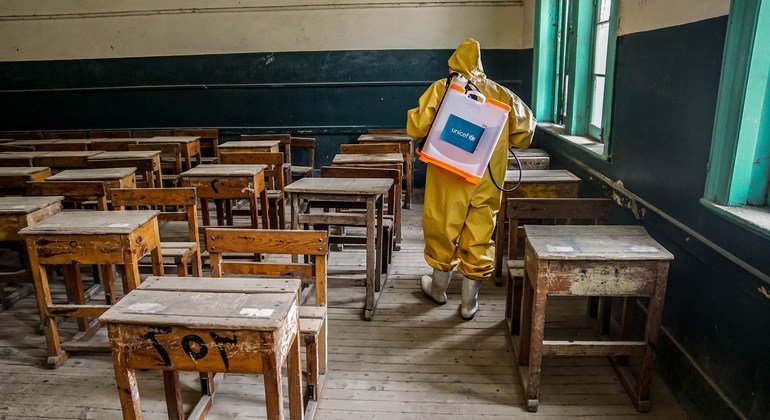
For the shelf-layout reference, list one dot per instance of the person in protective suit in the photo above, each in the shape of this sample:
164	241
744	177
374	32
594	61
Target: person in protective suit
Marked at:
459	217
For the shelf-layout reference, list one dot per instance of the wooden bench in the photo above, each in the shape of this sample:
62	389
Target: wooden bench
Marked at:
190	145
171	163
274	180
186	200
65	145
308	145
116	144
77	192
61	160
552	210
209	140
146	162
312	244
207	325
529	159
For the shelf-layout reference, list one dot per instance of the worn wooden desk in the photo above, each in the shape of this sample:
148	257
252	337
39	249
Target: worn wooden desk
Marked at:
371	159
13	179
207	325
252	146
64	145
89	237
21	145
529	158
191	147
146	162
408	161
18	158
553	183
344	190
112	177
223	183
65	160
606	261
16	213
113	144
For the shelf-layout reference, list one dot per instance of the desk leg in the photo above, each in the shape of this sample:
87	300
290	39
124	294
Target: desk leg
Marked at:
265	206
131	267
156	255
379	246
499	241
525	320
128	390
173	391
371	267
536	346
108	282
56	355
294	371
271	370
654	316
74	283
188	158
205	216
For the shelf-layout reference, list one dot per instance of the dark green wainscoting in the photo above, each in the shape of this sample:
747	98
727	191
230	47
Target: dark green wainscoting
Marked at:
717	314
331	95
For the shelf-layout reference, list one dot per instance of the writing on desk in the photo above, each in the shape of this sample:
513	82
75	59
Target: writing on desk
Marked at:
192	344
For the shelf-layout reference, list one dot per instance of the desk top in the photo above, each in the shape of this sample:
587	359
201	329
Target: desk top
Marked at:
69	154
29	143
21	154
231	307
21	170
368	158
598	243
250	143
26	205
106	174
529	153
224	170
119	155
384	138
70	141
92	223
95	142
340	186
540	175
170	139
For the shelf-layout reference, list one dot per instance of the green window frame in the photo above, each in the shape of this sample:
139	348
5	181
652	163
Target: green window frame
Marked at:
567	68
739	165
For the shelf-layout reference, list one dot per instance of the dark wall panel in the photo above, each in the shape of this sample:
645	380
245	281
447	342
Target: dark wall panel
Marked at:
665	92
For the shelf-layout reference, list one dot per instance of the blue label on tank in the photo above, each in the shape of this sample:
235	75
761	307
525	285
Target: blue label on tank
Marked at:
461	133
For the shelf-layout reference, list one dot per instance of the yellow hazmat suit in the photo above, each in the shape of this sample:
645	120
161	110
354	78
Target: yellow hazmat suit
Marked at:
458	217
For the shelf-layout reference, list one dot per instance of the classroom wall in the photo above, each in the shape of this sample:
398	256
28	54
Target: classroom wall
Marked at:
714	343
312	67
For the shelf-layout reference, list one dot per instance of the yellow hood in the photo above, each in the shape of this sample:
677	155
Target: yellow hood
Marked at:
467	60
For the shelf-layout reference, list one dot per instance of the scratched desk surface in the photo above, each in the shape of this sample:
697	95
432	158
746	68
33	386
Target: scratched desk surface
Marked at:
188	305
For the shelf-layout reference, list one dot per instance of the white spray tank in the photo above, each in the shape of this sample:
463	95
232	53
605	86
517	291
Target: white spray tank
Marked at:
465	131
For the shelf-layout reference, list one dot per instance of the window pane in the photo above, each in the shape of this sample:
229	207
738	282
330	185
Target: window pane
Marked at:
604	13
597	102
600	48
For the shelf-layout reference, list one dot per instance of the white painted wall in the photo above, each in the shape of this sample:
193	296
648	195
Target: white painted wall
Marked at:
646	15
72	29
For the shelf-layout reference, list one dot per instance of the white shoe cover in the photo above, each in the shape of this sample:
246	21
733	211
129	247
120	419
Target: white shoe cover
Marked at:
470	298
435	286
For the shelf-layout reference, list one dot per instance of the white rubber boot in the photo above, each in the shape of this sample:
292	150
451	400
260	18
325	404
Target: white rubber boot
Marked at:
470	298
435	286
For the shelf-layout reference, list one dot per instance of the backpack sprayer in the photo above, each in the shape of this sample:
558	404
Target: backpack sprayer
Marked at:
464	133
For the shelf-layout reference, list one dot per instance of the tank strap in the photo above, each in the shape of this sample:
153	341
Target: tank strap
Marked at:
449	79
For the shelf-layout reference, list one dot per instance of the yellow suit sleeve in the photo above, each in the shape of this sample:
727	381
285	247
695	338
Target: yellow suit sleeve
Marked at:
521	125
418	120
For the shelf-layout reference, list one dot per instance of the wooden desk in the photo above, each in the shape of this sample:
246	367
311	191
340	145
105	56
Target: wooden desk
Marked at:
408	161
253	146
20	145
65	160
529	158
207	325
16	213
223	183
112	144
13	179
89	237
344	190
371	159
552	183
112	177
191	147
64	145
607	261
145	161
18	158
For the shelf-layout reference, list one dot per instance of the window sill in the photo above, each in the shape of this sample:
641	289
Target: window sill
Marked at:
755	219
595	148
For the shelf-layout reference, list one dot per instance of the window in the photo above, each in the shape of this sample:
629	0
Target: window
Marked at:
574	57
739	166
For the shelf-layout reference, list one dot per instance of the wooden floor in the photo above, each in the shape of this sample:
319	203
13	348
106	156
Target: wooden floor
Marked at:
414	361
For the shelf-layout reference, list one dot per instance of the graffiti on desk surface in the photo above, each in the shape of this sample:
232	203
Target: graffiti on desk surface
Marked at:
192	344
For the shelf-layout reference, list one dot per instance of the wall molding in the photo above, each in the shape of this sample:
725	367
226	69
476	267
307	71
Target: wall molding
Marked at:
262	8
